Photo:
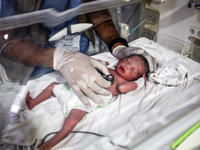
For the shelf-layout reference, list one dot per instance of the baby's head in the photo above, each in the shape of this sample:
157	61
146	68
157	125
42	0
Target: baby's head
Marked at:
132	67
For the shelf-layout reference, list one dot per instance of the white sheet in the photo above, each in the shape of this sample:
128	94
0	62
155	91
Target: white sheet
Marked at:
127	121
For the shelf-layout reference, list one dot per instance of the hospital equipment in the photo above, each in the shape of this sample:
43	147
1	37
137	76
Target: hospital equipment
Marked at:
136	27
159	114
75	29
51	17
194	4
108	77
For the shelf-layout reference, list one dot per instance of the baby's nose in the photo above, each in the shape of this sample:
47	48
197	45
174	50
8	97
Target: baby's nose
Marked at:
129	67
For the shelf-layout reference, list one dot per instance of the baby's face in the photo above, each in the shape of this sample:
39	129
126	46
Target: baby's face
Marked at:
131	68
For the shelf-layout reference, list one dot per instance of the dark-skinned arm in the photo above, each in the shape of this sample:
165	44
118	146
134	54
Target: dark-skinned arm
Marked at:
106	30
108	33
31	54
25	50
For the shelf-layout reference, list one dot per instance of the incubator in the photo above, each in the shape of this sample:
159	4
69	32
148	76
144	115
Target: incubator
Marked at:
169	30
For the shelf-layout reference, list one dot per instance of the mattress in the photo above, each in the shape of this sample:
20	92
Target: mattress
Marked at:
129	120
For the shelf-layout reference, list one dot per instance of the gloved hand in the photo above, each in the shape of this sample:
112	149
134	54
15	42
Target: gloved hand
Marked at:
141	82
123	51
81	75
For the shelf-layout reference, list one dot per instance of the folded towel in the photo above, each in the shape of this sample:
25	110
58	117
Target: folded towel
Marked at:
171	75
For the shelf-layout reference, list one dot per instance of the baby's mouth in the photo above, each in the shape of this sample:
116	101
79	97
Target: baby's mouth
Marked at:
122	69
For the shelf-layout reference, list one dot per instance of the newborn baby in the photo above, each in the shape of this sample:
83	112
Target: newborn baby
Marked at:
127	70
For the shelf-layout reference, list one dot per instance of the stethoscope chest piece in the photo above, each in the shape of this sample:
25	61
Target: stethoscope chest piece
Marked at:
108	77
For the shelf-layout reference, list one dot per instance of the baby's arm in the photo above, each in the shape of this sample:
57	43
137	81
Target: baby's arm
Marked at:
126	87
74	117
44	95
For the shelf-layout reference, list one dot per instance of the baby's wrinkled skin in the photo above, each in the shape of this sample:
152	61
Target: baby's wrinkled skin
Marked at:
127	70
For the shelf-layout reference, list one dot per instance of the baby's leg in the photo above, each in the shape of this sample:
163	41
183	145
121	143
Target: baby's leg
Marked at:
74	117
44	95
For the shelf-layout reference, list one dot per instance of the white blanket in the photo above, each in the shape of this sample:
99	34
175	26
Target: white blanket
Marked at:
127	121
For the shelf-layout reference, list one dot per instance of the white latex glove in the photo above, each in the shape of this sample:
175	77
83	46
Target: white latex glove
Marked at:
81	75
140	82
123	51
151	60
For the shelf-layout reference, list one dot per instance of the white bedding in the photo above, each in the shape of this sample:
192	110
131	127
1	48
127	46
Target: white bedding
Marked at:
127	121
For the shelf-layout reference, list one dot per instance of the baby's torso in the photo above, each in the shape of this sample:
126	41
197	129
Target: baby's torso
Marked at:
69	99
118	80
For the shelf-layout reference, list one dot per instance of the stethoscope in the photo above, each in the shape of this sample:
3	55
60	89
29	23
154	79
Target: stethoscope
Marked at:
108	77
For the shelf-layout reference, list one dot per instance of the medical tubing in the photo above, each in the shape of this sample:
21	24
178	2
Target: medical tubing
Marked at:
7	44
13	41
136	27
83	132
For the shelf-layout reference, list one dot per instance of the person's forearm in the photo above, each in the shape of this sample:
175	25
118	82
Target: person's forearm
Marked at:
25	51
106	30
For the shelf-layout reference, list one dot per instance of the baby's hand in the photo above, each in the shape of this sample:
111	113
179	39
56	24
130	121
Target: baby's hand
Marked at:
141	82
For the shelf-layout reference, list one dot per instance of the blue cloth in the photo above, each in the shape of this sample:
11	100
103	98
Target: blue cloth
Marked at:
61	5
7	9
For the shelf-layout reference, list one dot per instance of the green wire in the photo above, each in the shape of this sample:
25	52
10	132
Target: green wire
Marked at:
177	142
